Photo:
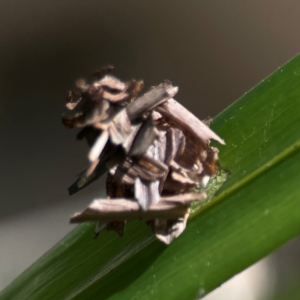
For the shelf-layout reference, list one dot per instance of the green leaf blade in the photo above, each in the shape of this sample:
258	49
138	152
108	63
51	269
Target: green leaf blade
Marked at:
198	262
254	212
262	124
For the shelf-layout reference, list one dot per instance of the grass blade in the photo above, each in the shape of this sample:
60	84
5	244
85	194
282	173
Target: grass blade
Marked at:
253	213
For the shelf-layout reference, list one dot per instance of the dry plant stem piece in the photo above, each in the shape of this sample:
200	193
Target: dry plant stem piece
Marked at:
98	146
177	113
144	138
107	210
148	101
146	193
154	150
103	71
128	210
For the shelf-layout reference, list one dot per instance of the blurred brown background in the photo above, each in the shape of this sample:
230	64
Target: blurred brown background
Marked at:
213	50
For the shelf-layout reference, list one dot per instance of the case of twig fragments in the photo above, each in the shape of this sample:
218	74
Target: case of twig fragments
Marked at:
154	151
